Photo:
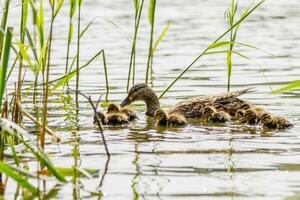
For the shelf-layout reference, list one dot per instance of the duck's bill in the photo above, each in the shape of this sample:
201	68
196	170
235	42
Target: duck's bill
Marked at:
125	102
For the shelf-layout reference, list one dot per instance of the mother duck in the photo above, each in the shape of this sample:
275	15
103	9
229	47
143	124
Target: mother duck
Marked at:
191	107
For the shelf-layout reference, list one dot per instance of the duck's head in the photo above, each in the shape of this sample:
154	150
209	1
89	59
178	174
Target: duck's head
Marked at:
142	92
113	108
266	118
160	114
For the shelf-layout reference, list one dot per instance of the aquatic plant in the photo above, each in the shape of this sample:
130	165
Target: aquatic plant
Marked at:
138	11
291	86
215	44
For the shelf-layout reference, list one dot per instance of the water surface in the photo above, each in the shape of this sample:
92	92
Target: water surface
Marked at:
222	162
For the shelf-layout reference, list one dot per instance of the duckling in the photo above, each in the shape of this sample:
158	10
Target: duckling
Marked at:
219	117
274	122
114	108
112	119
142	92
249	117
210	114
163	119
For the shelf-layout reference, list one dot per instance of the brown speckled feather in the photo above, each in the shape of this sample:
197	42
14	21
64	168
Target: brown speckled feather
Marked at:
228	102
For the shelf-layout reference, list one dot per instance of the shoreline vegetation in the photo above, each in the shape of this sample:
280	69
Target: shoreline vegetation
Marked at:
33	49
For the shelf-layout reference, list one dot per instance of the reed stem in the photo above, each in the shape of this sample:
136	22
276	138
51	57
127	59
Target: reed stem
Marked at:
133	47
46	91
150	53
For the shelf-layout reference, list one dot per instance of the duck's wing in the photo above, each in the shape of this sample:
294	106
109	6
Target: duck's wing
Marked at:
192	107
230	96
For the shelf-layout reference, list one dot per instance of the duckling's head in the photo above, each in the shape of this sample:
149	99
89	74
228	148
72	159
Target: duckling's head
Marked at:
101	116
266	118
141	92
249	113
160	114
239	113
208	110
245	106
113	108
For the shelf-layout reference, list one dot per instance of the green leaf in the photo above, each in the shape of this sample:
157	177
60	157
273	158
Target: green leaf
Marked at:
40	25
64	80
21	180
51	2
291	86
151	8
72	7
219	44
136	5
25	56
34	12
70	36
29	38
58	6
24	15
161	36
4	61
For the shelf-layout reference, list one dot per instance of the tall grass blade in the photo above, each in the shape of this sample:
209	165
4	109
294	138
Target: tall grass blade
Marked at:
152	4
21	180
161	36
291	86
3	22
4	61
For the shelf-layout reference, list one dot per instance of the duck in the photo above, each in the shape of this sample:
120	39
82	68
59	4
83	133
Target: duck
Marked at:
165	120
274	122
210	114
113	119
130	113
189	108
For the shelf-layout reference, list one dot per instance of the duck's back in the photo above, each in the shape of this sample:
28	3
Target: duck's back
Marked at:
192	107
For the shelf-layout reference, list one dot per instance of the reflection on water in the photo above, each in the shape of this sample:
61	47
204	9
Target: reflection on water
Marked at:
213	162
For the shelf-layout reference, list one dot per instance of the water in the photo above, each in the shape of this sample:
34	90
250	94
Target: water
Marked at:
224	162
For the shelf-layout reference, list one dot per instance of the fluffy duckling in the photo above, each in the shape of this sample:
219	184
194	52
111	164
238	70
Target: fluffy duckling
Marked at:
114	108
249	117
274	122
163	119
112	119
210	114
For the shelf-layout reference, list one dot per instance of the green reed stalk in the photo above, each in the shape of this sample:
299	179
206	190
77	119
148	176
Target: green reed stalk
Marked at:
209	46
78	57
152	4
22	41
3	22
138	13
230	15
46	91
70	34
106	76
4	61
75	179
3	70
